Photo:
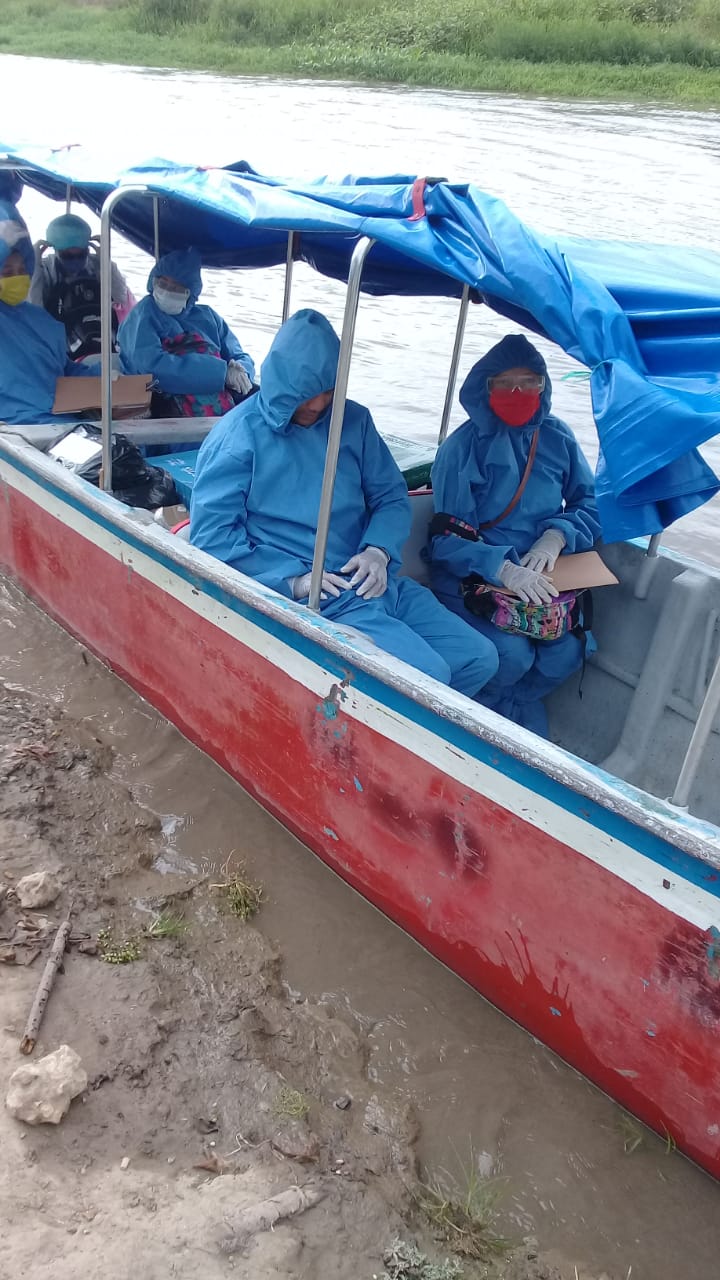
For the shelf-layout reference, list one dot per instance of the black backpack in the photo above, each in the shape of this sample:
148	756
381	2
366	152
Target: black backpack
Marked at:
75	302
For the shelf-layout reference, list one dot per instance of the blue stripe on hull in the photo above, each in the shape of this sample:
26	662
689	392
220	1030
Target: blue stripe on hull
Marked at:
676	861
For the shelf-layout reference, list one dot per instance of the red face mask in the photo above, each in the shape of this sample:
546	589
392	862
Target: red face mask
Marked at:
515	407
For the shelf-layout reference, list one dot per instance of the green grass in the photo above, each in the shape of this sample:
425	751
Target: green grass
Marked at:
641	49
243	897
291	1104
167	924
117	950
462	1212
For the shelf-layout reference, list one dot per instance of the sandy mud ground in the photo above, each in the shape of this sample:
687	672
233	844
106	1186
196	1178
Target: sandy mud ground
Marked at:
213	1086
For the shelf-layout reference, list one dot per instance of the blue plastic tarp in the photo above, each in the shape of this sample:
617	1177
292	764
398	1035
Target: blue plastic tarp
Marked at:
644	319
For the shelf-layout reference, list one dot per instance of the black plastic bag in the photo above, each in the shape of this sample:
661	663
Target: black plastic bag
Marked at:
134	480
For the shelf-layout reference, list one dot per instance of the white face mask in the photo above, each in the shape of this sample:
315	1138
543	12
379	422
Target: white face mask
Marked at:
171	303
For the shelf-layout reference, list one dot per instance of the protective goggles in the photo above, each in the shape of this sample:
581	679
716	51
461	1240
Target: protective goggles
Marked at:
521	382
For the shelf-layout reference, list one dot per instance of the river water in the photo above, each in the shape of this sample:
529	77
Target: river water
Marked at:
636	173
616	170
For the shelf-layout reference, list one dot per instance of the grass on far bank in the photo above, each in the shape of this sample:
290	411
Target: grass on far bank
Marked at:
665	50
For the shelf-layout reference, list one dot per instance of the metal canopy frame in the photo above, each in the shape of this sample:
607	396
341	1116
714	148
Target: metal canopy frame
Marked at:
106	368
357	262
454	363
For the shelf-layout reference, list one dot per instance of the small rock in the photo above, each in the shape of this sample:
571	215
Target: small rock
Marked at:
37	890
102	1038
124	1163
41	1092
343	1102
171	1159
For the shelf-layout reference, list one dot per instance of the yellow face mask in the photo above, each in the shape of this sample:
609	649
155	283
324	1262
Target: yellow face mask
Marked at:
14	289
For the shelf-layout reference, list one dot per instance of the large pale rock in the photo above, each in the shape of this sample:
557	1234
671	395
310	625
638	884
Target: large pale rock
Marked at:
37	890
41	1092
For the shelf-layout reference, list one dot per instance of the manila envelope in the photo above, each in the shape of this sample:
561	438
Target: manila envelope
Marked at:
582	569
80	395
573	572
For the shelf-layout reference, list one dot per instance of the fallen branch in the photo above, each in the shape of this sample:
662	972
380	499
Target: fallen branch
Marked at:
29	1040
264	1215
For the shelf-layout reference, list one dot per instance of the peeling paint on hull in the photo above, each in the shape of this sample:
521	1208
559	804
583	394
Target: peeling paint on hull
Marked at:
550	904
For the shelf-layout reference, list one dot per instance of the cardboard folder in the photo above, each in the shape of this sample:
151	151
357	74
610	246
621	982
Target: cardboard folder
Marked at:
84	395
583	569
573	572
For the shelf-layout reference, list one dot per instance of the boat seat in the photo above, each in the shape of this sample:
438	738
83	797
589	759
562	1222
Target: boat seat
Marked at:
671	660
413	566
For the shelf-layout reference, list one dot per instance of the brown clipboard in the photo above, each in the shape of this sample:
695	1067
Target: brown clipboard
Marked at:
83	395
581	569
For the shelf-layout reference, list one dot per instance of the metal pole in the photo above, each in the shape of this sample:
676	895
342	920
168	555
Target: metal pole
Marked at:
106	369
357	262
648	565
68	198
291	248
454	362
156	226
698	742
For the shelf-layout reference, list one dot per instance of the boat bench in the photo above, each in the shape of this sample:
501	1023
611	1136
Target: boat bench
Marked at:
181	466
142	431
673	674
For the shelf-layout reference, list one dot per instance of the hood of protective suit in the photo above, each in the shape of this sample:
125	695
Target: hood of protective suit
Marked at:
301	364
11	185
513	352
182	265
14	237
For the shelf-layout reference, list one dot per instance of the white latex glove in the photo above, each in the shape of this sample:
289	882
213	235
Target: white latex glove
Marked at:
369	570
528	584
544	553
332	585
237	379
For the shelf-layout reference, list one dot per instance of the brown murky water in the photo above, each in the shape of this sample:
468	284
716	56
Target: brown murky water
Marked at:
484	1089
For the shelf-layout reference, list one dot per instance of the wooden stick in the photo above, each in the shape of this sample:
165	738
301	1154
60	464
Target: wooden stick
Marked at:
32	1026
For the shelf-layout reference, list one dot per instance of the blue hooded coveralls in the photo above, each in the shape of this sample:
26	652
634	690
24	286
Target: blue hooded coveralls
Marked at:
476	473
32	344
141	335
256	498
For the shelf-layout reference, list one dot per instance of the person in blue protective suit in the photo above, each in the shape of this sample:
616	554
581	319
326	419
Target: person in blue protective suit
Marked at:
199	366
256	498
476	475
32	344
11	188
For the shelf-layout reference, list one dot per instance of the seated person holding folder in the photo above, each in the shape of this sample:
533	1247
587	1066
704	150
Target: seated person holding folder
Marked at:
32	345
516	485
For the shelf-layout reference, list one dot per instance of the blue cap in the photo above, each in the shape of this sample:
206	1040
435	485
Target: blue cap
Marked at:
68	232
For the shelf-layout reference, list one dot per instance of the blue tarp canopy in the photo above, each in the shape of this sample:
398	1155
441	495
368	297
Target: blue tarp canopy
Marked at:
644	319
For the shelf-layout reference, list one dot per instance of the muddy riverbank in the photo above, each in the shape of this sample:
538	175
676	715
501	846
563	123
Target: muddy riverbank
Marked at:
319	995
219	1085
213	1085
